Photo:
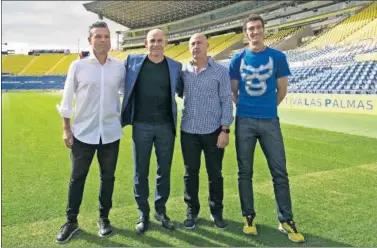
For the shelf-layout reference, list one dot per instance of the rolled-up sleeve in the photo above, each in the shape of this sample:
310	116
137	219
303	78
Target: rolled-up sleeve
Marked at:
226	99
65	108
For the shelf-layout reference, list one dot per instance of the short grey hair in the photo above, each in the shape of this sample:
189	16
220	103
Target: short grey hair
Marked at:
99	24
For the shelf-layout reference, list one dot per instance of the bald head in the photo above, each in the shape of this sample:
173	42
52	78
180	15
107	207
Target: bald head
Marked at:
155	43
198	36
198	45
156	31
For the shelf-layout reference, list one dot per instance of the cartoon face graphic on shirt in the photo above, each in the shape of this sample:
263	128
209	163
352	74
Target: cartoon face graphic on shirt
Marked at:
256	78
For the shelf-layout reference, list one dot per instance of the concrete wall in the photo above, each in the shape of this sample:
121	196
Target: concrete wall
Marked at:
295	40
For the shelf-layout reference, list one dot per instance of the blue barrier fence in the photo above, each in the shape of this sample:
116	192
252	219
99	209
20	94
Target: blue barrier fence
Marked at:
32	82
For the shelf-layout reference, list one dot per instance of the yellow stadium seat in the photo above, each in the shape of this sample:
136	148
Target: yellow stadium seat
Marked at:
345	28
61	68
369	31
366	57
177	50
214	43
114	53
277	37
231	41
15	63
41	64
123	55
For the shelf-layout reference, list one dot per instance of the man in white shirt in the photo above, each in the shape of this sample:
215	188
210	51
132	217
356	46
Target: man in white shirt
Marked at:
95	82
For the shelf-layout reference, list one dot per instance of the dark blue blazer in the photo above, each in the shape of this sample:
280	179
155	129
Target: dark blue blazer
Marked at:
133	64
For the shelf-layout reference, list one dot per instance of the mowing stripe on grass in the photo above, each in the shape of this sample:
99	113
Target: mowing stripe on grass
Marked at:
332	195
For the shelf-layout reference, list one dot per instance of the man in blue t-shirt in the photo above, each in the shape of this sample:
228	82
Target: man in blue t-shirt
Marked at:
259	77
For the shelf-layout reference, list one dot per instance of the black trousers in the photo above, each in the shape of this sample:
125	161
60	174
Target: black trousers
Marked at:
81	156
192	146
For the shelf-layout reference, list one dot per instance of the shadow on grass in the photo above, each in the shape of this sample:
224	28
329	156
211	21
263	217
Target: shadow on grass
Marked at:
204	237
267	236
145	238
94	238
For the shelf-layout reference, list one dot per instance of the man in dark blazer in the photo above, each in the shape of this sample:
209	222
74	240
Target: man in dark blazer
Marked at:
149	106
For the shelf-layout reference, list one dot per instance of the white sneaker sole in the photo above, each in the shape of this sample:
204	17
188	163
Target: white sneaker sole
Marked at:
190	228
104	236
212	219
282	230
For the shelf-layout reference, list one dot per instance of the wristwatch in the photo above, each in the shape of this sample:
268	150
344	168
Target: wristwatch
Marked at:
225	130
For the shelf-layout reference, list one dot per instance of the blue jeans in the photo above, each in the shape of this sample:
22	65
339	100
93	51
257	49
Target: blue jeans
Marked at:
144	136
268	133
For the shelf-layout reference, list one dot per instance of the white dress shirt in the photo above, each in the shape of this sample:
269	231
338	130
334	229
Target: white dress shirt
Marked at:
96	90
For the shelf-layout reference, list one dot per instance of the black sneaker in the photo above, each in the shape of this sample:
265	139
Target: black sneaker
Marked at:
105	228
190	222
165	221
142	225
66	232
218	221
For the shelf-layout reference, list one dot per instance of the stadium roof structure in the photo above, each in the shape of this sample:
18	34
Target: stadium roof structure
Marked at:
141	14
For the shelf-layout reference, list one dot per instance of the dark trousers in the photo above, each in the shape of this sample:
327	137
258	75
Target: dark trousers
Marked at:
192	146
268	133
144	136
81	156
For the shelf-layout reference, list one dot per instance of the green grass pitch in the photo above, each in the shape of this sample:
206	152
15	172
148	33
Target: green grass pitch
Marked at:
332	169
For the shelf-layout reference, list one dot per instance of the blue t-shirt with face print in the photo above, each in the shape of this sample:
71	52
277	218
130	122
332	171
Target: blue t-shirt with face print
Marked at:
257	74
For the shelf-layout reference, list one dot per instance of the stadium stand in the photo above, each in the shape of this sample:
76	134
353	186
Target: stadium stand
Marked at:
214	43
15	63
61	67
114	53
176	50
366	57
335	51
346	28
229	42
369	31
356	78
41	64
314	18
123	55
335	54
276	37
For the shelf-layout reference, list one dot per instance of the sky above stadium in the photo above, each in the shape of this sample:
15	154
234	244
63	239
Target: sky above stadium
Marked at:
30	25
